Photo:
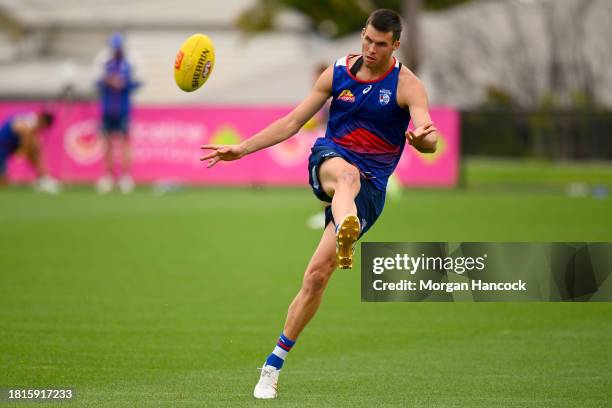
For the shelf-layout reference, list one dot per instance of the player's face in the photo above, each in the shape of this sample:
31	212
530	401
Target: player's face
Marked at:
377	47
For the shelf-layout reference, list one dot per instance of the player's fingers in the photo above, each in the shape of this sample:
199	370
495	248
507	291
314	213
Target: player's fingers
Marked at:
426	127
213	162
209	147
210	155
417	134
430	130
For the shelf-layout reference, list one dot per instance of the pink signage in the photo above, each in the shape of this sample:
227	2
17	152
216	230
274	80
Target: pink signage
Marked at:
166	140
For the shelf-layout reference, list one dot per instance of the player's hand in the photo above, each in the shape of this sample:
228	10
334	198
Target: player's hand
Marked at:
222	152
116	82
417	135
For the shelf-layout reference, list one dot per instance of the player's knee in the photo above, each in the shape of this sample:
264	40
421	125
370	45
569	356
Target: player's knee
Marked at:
317	275
349	177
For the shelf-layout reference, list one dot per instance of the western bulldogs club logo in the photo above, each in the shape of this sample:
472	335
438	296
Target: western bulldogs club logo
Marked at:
384	97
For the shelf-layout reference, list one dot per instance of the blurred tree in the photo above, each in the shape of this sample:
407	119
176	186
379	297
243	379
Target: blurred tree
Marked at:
569	73
335	18
325	13
10	25
411	46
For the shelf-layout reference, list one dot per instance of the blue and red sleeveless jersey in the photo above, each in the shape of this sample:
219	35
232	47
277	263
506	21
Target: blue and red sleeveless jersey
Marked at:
366	125
9	139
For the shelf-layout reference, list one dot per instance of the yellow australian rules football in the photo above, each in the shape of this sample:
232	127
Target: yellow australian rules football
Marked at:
194	62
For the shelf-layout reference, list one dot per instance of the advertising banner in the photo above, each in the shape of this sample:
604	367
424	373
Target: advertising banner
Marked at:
165	143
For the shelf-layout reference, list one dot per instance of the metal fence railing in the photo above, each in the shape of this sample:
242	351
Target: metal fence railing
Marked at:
542	134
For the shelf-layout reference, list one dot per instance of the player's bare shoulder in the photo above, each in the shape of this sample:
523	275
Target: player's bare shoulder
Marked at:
325	81
409	88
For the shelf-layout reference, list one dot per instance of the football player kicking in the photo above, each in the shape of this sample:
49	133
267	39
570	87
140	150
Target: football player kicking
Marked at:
373	99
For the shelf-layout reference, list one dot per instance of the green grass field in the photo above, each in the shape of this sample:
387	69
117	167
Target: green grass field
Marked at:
550	175
174	301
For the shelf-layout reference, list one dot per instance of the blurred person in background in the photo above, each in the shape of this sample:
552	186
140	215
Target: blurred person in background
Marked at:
373	99
116	81
20	134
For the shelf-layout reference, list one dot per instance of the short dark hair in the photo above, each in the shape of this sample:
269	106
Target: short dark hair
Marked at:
46	117
385	20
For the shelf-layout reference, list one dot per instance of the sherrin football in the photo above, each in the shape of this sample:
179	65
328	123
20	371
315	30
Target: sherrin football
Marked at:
194	62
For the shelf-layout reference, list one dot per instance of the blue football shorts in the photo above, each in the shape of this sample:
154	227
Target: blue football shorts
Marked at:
370	201
112	125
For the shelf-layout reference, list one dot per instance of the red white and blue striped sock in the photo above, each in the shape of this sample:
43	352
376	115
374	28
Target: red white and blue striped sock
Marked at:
283	347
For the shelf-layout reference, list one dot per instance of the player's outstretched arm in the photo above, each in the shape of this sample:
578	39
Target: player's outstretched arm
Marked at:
424	136
279	130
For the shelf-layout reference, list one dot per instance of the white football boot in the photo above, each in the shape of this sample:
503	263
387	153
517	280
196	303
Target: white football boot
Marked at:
47	184
126	184
104	184
347	233
267	386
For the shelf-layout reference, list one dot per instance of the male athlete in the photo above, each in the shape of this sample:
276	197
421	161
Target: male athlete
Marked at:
19	134
116	82
373	99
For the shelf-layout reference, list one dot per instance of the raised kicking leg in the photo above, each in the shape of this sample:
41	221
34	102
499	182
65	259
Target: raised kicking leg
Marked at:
341	181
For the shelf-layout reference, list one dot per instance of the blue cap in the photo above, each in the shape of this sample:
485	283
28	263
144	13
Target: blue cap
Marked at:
116	41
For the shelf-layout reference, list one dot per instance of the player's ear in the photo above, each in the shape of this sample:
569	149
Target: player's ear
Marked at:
396	45
362	32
